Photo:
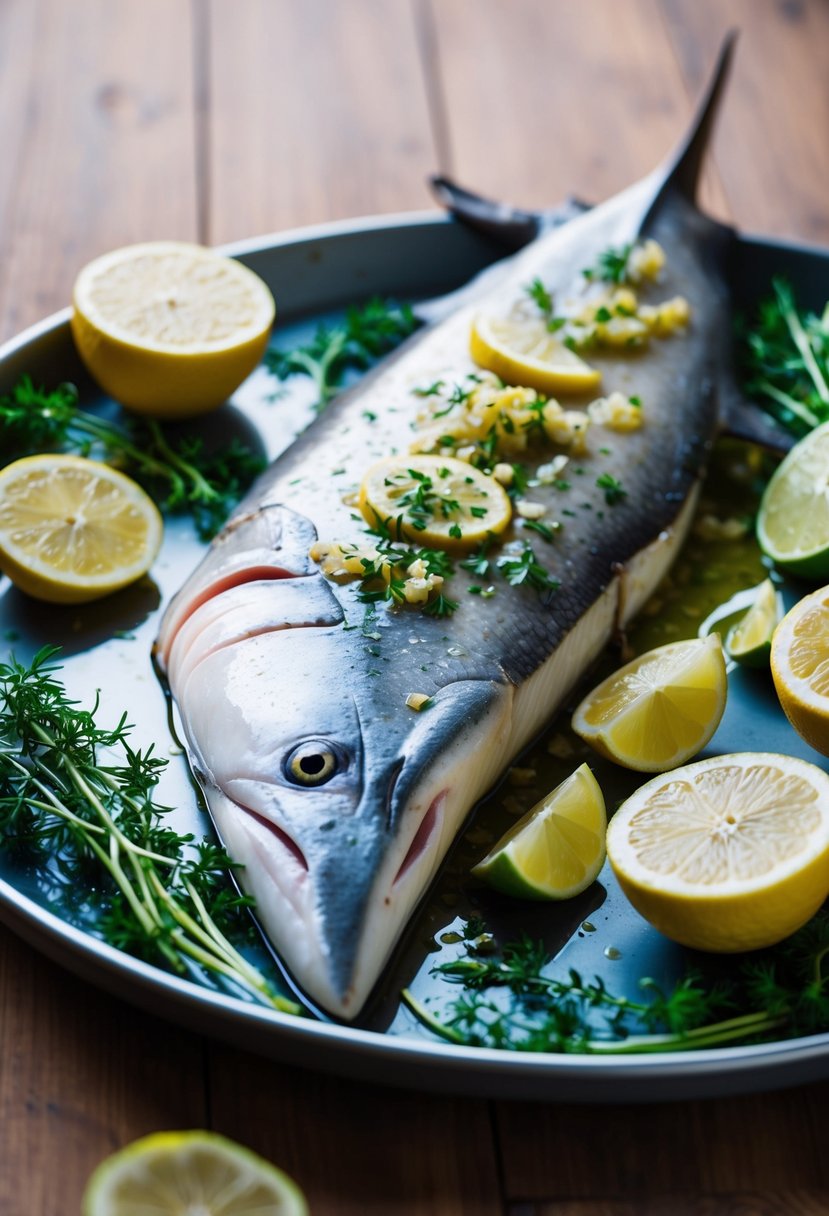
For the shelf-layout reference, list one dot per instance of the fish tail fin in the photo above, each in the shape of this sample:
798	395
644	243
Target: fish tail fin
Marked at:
685	165
511	227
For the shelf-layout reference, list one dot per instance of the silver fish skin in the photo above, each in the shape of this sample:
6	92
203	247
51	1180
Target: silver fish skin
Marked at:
269	662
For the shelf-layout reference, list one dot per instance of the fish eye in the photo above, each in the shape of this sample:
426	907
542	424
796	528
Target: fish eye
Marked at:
312	763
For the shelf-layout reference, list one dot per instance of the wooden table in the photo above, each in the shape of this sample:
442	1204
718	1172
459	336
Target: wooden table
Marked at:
124	120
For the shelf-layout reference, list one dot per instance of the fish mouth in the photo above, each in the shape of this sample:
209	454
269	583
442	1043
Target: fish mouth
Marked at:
423	836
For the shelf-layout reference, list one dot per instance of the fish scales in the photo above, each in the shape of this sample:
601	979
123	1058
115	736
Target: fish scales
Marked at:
336	798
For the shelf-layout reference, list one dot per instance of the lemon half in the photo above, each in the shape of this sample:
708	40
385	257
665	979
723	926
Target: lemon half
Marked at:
728	854
433	500
170	329
73	529
184	1173
793	520
525	352
659	710
557	849
800	668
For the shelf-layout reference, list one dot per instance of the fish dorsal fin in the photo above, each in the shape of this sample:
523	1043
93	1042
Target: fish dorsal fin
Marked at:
682	169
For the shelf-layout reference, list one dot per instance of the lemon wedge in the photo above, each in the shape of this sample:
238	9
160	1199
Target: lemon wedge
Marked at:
433	500
800	668
524	351
170	329
557	849
178	1173
728	854
793	519
749	641
659	710
72	529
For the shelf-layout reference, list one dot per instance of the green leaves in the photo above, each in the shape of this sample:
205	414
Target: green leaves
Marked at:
179	474
365	335
77	803
786	360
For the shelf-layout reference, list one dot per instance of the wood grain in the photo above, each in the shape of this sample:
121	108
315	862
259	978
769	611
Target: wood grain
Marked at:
105	131
549	100
80	1075
358	1148
772	147
745	1203
316	111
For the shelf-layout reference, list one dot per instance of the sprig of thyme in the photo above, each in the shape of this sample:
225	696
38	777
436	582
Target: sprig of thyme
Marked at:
510	1002
76	802
180	474
365	334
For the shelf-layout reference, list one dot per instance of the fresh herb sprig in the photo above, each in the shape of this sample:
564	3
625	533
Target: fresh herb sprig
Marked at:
786	988
366	334
76	800
786	360
179	473
611	265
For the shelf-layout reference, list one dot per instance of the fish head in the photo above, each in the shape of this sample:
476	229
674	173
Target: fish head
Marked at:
335	800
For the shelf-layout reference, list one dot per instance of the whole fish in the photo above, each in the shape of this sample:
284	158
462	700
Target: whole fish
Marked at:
336	799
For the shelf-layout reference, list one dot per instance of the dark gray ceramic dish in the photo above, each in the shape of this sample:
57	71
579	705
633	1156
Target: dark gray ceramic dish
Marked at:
314	272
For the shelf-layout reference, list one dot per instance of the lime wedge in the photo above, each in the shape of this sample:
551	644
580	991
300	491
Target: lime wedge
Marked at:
557	849
749	641
177	1173
793	521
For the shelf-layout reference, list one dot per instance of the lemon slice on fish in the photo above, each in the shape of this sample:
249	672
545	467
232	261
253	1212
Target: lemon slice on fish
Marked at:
730	853
524	351
749	641
173	1173
170	329
557	849
73	529
433	501
659	710
793	520
799	653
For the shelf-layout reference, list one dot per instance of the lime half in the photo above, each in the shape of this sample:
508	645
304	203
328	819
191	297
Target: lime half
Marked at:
557	849
793	521
190	1174
749	641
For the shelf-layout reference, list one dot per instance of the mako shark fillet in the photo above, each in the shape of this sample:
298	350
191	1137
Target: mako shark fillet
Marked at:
337	799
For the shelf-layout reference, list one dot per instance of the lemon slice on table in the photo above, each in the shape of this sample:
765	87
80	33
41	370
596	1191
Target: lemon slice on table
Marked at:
728	854
557	849
72	529
659	710
184	1173
749	641
525	352
800	668
170	329
793	520
433	500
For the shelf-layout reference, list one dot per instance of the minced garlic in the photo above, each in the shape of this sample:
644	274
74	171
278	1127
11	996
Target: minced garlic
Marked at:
616	412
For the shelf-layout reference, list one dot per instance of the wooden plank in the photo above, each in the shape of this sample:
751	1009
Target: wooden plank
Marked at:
104	107
80	1075
764	1143
356	1148
746	1203
546	100
771	148
316	111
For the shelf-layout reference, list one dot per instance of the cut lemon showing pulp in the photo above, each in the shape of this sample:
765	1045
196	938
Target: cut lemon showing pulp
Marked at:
800	668
73	529
433	500
793	520
190	1174
557	849
658	711
749	641
170	329
525	352
728	854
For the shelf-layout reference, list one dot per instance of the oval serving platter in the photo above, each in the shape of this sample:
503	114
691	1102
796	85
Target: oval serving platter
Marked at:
106	650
